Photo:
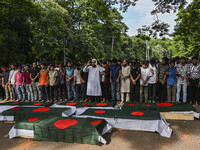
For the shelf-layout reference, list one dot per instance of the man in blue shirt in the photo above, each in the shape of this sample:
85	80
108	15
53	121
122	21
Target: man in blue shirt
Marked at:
115	73
70	81
171	82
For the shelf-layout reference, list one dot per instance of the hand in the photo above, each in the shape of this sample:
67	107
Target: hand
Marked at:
46	84
134	82
167	73
188	83
82	81
110	80
199	84
142	83
14	85
121	77
163	82
117	80
156	80
183	77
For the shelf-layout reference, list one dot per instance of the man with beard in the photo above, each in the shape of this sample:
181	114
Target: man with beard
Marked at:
194	81
125	82
93	85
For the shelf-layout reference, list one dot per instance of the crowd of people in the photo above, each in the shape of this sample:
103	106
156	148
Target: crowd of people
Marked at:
174	80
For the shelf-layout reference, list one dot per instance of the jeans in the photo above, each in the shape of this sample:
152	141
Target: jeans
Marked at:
152	92
61	88
162	92
78	90
20	92
14	96
143	93
70	87
179	92
36	91
29	91
83	90
53	92
115	89
194	90
44	92
171	92
8	91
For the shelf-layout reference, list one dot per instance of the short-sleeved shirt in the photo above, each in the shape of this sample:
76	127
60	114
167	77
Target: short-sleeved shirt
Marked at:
19	78
115	71
152	79
182	70
69	71
145	72
34	73
27	77
5	75
76	74
171	79
194	71
52	76
135	73
162	70
61	77
43	77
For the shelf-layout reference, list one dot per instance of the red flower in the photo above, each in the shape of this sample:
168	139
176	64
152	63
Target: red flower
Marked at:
132	105
96	122
15	103
33	119
37	104
137	113
16	108
65	123
86	104
165	104
43	109
102	104
146	105
100	111
71	104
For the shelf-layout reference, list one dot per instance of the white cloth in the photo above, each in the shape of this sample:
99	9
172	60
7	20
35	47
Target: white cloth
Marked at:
145	73
160	126
12	76
93	84
152	79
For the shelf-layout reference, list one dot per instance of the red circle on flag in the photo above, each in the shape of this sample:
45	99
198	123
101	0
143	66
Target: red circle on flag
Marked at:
96	122
65	123
15	103
100	111
37	104
165	104
71	104
102	104
146	105
137	113
33	119
132	105
43	109
16	108
86	104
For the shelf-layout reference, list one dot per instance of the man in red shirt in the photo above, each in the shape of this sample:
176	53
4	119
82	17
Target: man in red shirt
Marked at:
19	83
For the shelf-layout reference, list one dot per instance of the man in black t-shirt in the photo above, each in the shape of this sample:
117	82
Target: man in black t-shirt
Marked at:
5	84
34	76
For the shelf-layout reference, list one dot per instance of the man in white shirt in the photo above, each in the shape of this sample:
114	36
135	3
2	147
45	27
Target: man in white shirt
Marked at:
11	80
152	80
145	75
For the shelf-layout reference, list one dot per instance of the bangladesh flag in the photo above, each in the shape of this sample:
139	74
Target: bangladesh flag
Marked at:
26	112
60	129
88	104
161	107
45	104
139	113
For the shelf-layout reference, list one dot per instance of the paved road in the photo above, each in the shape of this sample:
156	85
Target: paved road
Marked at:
186	136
